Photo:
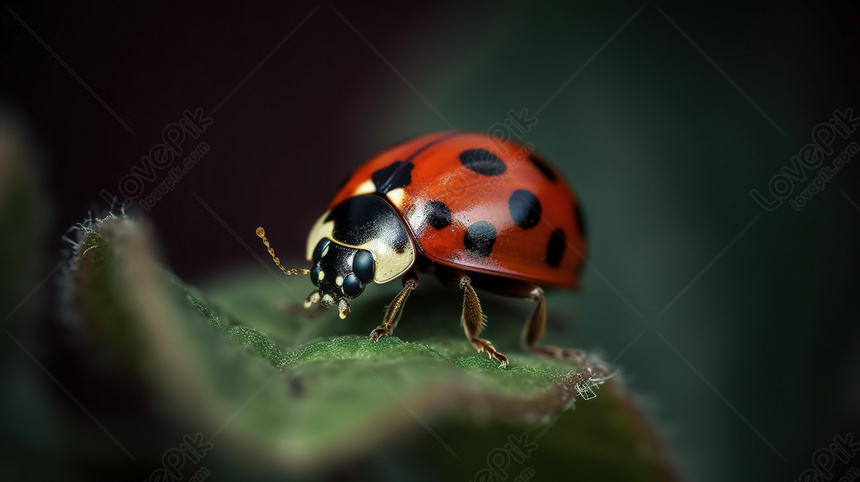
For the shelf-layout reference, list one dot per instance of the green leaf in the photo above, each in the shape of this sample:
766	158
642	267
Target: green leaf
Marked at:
290	390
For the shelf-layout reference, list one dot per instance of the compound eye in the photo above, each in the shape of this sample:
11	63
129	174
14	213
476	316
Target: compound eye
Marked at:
352	287
315	275
320	250
364	266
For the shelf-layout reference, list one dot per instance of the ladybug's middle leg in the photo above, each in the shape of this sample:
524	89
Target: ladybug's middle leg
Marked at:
395	309
473	321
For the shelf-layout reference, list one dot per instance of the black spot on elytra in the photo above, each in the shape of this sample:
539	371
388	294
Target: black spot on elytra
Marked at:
525	208
483	162
397	175
438	215
543	166
480	238
557	243
580	220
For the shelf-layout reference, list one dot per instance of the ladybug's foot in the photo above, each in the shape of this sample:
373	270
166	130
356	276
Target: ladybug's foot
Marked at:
484	346
395	309
379	332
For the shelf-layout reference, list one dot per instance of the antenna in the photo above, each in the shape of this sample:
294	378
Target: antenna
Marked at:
262	235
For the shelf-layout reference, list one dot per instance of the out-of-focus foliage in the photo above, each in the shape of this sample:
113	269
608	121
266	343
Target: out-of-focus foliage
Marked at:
21	215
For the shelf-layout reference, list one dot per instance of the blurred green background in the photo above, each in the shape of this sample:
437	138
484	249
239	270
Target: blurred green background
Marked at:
736	326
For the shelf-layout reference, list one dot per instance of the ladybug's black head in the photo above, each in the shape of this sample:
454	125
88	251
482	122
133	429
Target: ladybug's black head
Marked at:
361	239
340	272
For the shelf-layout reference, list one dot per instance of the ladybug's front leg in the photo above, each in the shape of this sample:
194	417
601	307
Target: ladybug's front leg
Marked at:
473	320
395	309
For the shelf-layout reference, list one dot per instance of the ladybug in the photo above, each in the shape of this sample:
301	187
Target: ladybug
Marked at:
475	211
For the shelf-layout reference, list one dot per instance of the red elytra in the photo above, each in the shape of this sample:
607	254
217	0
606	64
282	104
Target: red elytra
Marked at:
439	175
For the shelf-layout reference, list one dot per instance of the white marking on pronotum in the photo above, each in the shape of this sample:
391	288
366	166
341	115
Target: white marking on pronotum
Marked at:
366	187
396	196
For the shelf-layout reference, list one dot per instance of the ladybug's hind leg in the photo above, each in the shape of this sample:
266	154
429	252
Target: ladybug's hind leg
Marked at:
536	326
473	321
395	309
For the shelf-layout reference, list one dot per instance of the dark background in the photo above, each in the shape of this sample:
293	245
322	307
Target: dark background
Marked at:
662	147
